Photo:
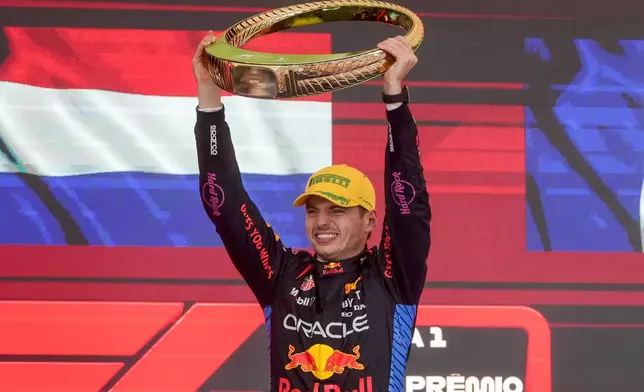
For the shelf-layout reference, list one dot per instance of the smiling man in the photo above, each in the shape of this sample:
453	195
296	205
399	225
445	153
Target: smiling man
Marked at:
340	215
342	318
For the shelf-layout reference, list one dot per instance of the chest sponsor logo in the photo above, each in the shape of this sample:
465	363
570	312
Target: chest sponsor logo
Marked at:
308	283
350	305
304	301
323	361
332	330
332	268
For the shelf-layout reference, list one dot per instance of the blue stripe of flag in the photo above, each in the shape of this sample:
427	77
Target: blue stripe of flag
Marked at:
140	209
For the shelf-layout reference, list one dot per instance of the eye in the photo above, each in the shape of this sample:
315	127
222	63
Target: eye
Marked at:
338	211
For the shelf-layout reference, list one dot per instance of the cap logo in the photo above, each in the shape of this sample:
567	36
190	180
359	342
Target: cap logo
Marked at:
332	178
338	199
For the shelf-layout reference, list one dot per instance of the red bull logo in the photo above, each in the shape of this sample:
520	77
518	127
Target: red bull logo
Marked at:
365	384
305	360
323	361
332	268
338	361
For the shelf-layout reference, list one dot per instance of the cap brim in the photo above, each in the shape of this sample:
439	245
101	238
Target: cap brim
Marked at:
301	200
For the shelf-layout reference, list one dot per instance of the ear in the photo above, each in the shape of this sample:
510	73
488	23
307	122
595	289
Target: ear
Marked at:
372	220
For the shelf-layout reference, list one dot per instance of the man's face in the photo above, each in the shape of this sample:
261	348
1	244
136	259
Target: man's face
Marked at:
335	232
255	82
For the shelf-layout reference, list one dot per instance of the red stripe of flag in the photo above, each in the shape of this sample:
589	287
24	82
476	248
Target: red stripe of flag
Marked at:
149	62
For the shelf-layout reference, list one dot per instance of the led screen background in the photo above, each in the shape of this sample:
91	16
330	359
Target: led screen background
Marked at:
531	131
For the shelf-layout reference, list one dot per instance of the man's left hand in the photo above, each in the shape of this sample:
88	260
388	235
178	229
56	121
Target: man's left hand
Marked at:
400	49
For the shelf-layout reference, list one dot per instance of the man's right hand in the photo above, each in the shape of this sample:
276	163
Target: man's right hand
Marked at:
209	93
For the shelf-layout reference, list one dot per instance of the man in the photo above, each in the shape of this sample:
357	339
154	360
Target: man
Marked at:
255	82
343	318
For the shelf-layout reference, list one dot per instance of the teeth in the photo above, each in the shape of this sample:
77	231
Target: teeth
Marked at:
326	236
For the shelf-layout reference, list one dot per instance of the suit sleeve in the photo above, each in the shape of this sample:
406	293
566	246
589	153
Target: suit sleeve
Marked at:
255	250
405	242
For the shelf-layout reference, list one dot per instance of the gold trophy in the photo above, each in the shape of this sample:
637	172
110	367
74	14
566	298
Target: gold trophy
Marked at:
271	76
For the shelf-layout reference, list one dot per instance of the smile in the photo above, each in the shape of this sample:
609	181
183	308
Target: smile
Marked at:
325	237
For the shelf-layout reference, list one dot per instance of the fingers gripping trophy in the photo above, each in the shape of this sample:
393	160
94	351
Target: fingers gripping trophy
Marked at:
316	342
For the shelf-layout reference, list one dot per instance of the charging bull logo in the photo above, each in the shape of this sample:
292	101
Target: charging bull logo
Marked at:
349	287
305	360
323	361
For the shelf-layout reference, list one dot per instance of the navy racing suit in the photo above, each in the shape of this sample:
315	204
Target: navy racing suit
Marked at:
338	326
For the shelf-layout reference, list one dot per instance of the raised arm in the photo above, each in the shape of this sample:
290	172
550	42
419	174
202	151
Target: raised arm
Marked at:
251	244
406	233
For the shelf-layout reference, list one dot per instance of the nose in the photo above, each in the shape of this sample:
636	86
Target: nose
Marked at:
322	220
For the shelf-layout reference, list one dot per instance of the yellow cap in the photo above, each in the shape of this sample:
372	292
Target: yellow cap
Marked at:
342	185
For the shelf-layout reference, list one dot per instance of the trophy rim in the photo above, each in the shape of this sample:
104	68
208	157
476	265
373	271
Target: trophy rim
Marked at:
295	75
223	49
